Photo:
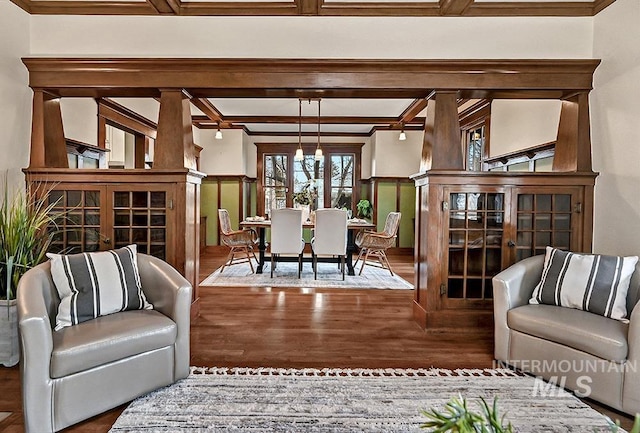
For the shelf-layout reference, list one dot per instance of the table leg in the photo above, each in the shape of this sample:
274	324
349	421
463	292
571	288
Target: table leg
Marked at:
262	246
351	248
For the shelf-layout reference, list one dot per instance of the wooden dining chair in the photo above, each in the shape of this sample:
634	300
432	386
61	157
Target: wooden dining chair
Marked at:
375	244
330	237
239	241
286	236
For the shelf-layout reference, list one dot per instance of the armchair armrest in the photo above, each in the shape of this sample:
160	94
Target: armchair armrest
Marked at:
512	288
35	304
631	387
170	294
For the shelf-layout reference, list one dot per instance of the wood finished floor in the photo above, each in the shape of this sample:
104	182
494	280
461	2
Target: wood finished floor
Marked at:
292	327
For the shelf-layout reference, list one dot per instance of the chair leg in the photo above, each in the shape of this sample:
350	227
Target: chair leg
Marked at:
272	265
362	251
383	255
246	251
342	266
299	264
364	261
315	266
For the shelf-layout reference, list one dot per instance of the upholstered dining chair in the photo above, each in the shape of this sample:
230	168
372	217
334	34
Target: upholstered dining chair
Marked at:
375	244
330	237
286	236
239	241
76	372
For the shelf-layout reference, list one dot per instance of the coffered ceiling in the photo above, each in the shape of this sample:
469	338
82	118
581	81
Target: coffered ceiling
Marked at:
433	8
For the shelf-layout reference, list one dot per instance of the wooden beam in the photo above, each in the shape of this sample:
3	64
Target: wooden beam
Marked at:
415	108
308	7
174	148
126	119
141	147
454	7
369	76
573	145
165	7
441	148
48	145
209	110
599	5
336	120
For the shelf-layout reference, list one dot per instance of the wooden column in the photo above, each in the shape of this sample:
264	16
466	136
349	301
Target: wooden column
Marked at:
573	144
174	145
441	148
48	147
142	144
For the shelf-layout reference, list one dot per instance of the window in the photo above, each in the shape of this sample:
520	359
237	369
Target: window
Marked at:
475	148
331	181
275	181
342	181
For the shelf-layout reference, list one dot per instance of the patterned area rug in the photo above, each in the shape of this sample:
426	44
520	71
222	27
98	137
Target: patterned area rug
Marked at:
335	400
286	275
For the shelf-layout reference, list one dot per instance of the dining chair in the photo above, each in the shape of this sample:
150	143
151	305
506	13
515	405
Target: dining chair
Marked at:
286	236
375	244
239	241
330	237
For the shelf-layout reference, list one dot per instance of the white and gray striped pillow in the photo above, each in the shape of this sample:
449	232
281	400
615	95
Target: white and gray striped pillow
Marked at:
590	282
91	285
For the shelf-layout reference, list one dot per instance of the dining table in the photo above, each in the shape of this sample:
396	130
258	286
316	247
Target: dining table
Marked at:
353	226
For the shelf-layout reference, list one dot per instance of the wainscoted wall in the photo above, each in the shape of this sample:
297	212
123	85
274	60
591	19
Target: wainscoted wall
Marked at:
237	194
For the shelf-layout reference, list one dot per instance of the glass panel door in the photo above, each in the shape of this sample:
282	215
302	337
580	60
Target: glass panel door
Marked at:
80	227
275	182
342	180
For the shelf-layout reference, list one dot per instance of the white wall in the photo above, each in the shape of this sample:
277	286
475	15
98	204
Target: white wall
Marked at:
15	95
80	119
391	157
615	112
309	37
519	124
250	153
222	157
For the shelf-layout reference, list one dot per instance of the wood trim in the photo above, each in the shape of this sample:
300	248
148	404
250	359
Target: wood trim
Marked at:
474	114
573	145
140	77
311	119
314	8
441	144
409	115
210	111
174	146
454	7
529	151
121	116
165	7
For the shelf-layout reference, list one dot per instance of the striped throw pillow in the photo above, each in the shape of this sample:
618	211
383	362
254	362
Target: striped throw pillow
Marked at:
589	282
91	285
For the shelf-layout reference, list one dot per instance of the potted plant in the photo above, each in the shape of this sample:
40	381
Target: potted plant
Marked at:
365	210
24	240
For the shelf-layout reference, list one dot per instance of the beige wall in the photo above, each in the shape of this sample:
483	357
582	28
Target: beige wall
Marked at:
222	157
519	124
615	114
394	158
80	119
15	95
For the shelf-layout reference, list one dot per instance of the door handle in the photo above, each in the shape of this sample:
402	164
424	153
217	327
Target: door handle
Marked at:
107	241
511	243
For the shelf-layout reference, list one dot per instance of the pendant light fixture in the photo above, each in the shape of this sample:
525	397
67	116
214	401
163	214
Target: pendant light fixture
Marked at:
318	154
218	133
299	154
402	136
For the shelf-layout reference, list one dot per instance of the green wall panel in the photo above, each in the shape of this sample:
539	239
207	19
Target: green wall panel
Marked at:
408	209
209	208
386	202
230	200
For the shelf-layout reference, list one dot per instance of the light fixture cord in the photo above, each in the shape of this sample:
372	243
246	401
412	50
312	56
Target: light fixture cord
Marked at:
318	147
299	123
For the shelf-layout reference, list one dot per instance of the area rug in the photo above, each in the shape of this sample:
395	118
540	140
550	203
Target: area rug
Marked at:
286	275
340	400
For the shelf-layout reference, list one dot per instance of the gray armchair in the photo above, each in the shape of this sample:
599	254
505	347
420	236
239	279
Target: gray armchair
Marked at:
591	354
83	370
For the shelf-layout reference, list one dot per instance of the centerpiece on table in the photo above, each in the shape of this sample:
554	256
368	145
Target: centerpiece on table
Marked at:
302	200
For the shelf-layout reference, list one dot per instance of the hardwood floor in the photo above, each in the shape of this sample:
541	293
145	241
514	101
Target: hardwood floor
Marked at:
293	327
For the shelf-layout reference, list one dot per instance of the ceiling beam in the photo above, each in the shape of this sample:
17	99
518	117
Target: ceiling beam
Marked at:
307	120
165	7
599	5
210	111
415	108
454	7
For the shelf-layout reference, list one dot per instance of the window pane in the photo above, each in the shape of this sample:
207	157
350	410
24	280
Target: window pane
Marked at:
308	176
342	180
275	182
